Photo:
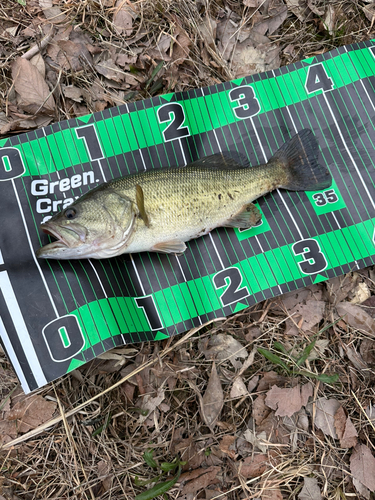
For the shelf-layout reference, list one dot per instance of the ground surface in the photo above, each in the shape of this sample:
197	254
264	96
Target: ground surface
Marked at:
295	420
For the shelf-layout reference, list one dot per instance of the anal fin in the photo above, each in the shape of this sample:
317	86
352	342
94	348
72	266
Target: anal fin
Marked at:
248	216
172	246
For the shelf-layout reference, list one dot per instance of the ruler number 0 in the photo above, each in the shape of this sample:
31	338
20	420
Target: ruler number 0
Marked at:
314	260
174	113
234	292
11	164
63	337
248	104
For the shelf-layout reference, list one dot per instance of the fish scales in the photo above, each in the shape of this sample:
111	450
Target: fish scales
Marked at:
183	203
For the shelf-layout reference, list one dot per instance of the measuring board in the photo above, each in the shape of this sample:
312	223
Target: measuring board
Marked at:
57	315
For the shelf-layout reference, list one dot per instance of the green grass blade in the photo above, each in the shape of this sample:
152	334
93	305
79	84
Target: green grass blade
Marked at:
159	489
148	458
306	353
273	358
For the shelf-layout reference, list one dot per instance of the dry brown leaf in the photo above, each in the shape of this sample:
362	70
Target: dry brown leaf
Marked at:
356	317
254	466
123	18
34	94
299	8
361	489
367	350
181	48
355	358
238	388
340	421
369	11
345	429
288	401
325	415
104	468
257	439
310	490
362	466
72	92
223	347
38	62
271	24
253	382
260	410
207	30
349	439
31	412
199	479
54	15
271	378
270	492
150	403
73	55
312	313
227	445
314	8
109	69
213	399
188	450
360	293
370	412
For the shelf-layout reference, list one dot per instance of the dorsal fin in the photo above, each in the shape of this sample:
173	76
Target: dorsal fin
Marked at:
226	159
139	198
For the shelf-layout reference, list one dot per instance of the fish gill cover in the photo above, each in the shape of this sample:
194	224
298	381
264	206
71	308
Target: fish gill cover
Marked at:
57	315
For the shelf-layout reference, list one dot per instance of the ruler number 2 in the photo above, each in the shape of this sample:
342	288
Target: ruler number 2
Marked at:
174	113
314	260
231	277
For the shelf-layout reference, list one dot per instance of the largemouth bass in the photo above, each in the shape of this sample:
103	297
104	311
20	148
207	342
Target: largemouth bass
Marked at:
159	210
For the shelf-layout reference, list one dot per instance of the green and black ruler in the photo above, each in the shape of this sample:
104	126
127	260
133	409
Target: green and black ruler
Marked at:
57	315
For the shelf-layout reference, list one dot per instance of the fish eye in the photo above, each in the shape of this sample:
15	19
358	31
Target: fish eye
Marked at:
70	213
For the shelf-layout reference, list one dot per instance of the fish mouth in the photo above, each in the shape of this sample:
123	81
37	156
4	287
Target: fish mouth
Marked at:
66	238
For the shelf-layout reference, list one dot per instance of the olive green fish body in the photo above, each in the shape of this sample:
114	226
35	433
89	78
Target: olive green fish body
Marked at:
160	210
187	202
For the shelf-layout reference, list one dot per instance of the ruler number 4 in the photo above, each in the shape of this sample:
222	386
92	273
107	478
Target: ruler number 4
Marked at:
317	79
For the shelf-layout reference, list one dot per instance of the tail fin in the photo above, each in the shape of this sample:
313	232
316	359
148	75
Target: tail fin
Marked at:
299	156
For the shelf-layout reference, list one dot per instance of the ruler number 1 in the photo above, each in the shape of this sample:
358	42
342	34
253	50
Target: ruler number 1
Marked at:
149	308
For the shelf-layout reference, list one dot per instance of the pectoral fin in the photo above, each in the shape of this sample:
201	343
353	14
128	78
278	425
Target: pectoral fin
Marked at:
248	216
139	198
173	246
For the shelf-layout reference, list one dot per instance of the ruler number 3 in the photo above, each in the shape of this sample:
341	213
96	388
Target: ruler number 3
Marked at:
314	260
